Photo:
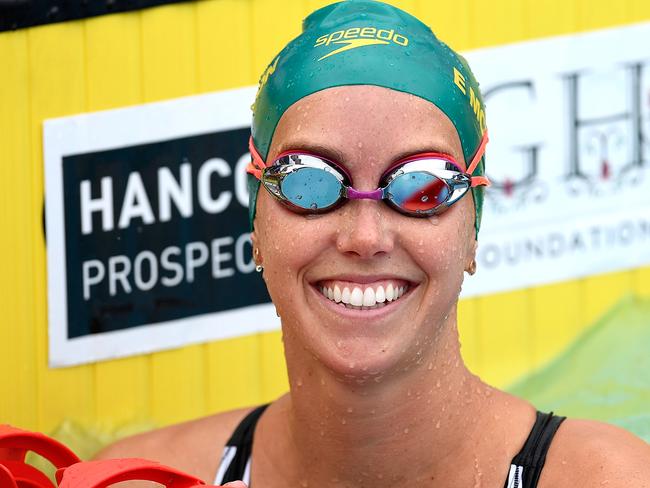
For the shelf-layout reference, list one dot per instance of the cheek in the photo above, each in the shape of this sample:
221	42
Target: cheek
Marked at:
274	232
288	242
443	244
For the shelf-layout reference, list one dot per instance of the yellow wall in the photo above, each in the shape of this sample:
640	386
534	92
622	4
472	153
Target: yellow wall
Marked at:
190	48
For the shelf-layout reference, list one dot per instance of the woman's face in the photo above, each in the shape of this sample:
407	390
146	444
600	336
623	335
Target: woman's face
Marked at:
364	243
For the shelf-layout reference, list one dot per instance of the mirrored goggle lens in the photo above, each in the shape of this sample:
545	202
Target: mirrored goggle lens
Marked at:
417	192
311	188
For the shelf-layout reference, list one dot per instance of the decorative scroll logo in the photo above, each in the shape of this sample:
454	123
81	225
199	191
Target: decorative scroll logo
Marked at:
604	145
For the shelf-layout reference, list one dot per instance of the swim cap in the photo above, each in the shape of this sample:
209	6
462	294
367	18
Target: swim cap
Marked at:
366	42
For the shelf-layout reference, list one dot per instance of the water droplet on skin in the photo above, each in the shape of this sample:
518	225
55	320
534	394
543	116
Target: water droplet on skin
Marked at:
299	382
339	344
430	367
406	431
343	421
360	145
438	383
438	424
350	409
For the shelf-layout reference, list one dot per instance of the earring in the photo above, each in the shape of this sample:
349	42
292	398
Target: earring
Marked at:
471	269
256	257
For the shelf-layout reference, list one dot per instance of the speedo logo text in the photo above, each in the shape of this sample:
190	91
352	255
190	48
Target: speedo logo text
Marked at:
355	37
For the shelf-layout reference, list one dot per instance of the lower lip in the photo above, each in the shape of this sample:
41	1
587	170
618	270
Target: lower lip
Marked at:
373	313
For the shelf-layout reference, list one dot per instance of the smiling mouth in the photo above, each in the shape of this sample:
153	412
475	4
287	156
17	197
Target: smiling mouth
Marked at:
363	297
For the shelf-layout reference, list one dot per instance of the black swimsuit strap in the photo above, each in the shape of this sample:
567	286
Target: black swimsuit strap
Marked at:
533	455
242	439
528	462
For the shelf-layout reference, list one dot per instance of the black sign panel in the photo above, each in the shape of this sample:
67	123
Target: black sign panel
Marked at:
158	232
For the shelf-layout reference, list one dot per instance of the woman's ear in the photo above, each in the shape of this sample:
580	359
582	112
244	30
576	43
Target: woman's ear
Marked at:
470	265
257	255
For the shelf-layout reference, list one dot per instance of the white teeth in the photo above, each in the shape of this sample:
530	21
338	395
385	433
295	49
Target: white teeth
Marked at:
368	297
380	296
345	296
390	296
356	298
337	294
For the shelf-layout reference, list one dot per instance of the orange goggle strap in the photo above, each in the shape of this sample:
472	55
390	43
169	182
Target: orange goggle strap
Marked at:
479	180
257	164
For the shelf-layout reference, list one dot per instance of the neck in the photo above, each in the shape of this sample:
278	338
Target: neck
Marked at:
354	432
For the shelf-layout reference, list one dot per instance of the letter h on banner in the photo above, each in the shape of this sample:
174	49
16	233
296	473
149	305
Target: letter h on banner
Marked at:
633	114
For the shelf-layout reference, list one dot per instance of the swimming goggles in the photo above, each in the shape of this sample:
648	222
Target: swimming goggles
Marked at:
420	185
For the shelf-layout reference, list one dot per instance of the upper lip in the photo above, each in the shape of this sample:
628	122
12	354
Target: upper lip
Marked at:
363	279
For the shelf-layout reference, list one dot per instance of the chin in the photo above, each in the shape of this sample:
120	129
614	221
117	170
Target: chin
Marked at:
361	360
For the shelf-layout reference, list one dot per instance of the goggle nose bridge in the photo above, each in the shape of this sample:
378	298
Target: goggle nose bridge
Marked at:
352	194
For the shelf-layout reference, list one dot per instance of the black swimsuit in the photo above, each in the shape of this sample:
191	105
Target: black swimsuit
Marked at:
525	468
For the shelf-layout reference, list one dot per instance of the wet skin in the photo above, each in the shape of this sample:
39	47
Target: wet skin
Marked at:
388	379
365	129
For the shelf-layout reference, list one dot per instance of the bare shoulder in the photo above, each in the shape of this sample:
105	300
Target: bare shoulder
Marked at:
194	447
591	453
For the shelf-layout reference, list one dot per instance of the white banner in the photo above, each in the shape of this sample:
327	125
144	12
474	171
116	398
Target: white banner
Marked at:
569	121
131	271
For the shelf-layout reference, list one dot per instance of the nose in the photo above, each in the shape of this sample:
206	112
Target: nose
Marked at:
364	231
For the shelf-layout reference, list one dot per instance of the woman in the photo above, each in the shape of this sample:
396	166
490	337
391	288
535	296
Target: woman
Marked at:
367	290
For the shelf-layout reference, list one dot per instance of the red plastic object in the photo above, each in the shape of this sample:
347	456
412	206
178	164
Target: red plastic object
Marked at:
6	478
102	474
14	445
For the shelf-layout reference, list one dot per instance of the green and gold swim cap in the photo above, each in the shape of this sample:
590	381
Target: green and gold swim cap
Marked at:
366	42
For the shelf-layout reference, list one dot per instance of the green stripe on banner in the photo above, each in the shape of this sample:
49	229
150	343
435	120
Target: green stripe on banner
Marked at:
603	375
